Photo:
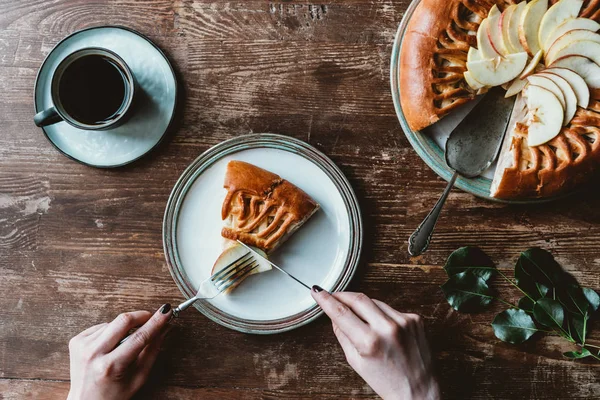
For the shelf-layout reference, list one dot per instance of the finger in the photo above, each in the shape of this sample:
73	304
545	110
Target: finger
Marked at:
364	307
147	358
129	351
97	333
118	328
413	322
346	344
92	329
352	326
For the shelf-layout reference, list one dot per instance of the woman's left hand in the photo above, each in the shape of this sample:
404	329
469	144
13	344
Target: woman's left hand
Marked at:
103	369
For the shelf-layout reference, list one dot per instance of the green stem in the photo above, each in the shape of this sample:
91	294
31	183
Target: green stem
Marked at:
591	352
514	284
591	345
507	303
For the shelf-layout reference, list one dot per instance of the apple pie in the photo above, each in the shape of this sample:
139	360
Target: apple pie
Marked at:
261	209
547	53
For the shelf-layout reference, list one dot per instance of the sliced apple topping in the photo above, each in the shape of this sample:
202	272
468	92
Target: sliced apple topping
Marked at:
545	115
582	92
483	41
568	93
569	46
494	31
529	25
583	66
513	27
472	82
504	26
549	85
556	15
571	25
569	39
473	55
519	83
585	48
497	71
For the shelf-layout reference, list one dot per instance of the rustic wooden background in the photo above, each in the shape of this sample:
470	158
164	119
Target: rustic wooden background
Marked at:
79	245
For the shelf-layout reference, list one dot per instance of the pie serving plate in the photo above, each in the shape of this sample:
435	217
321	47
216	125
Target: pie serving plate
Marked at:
429	143
325	251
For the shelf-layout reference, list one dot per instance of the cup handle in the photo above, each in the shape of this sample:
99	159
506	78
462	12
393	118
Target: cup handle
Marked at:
47	117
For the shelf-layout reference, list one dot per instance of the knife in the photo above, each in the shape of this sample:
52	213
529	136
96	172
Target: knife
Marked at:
273	265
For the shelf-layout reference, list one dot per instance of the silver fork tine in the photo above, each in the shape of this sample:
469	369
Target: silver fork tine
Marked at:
232	282
252	264
218	275
222	280
232	271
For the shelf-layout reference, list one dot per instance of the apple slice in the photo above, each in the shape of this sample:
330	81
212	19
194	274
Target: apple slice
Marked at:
473	55
568	93
583	66
577	83
497	71
483	41
571	25
556	15
545	115
529	25
519	84
504	28
585	48
513	27
472	82
516	87
568	39
235	252
549	85
494	31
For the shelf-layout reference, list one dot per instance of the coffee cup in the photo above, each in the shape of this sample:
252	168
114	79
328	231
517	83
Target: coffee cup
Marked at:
91	89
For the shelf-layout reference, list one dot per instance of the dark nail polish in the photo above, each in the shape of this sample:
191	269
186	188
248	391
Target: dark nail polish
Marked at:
165	308
317	288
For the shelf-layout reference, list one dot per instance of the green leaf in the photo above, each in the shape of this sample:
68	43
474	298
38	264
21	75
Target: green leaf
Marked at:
575	354
526	304
466	292
579	324
541	266
513	326
471	259
572	298
592	298
527	284
549	313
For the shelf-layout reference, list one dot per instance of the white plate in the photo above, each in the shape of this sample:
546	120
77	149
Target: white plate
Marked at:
324	251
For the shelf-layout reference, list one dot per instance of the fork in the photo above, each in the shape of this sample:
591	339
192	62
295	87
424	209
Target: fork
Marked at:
221	280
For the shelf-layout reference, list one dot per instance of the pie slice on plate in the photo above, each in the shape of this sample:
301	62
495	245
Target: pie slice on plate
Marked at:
261	210
546	52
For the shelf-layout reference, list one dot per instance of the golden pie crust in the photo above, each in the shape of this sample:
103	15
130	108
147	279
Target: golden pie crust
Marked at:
431	77
261	209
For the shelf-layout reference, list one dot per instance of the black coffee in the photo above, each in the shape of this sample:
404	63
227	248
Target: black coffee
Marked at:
93	89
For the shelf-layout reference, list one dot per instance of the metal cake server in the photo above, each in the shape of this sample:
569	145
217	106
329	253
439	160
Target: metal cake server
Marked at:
471	148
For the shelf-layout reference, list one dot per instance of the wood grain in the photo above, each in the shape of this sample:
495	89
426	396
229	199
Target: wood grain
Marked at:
79	245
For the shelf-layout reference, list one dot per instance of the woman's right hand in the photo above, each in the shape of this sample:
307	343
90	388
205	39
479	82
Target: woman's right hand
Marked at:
388	349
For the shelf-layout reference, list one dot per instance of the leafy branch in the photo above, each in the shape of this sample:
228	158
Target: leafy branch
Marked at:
553	302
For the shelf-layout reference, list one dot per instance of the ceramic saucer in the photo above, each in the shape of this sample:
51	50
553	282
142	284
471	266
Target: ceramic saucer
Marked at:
151	119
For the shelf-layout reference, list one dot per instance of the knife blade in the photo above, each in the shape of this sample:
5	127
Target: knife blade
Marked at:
274	265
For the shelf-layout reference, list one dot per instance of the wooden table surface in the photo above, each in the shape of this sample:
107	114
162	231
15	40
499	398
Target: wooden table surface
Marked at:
78	245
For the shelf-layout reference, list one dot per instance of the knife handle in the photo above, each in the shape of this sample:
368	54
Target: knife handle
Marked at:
418	242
